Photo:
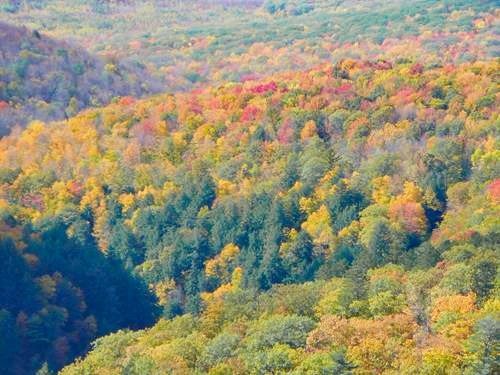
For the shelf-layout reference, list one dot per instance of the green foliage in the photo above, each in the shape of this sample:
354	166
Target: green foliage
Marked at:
44	307
219	349
483	345
291	330
340	219
325	363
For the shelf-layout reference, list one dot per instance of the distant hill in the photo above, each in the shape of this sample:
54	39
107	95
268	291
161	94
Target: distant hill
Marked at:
188	44
47	79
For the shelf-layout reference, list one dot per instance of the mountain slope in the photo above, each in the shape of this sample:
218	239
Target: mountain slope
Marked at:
409	322
59	294
334	172
320	192
45	79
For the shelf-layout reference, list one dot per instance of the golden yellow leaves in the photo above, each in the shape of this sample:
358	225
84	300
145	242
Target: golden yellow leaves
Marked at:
179	139
375	345
291	236
126	200
381	189
225	187
308	131
452	315
111	68
162	290
406	208
204	132
93	194
221	264
29	137
318	226
307	204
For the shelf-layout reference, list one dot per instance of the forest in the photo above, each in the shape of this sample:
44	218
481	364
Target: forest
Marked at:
249	187
83	53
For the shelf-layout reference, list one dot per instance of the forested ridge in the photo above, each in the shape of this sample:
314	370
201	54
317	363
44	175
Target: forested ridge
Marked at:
328	204
379	178
46	79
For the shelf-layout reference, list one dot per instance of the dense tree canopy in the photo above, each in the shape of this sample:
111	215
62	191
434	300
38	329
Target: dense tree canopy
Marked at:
137	47
46	79
321	198
234	189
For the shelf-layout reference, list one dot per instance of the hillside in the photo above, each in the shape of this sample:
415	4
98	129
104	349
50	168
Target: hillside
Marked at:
249	187
46	79
332	175
321	327
188	44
